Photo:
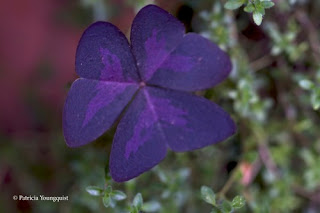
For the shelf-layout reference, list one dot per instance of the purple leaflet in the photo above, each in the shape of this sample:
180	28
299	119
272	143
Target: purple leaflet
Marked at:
195	64
104	54
92	107
101	99
155	54
160	67
190	122
139	143
154	34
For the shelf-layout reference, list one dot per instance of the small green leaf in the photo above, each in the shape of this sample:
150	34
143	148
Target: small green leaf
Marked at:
94	190
226	207
306	84
134	210
315	99
106	201
215	210
208	195
249	8
238	202
163	177
151	206
118	195
112	202
276	50
257	17
138	201
234	4
183	173
260	9
267	4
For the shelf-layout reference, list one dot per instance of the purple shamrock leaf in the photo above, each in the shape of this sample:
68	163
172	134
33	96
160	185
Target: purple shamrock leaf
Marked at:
155	74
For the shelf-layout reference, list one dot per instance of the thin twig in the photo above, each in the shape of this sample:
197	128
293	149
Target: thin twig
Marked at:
261	63
265	154
267	159
313	196
312	33
228	184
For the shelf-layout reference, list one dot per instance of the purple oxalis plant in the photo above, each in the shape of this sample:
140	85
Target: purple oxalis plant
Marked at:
152	79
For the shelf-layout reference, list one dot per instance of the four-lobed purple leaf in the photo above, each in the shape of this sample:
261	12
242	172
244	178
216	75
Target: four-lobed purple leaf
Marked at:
152	78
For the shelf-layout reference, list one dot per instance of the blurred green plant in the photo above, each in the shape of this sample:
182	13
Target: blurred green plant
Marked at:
109	196
286	42
216	22
256	7
313	88
312	175
221	205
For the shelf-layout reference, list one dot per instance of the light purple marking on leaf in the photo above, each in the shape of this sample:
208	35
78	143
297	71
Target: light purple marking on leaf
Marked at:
156	54
101	99
113	68
159	57
170	115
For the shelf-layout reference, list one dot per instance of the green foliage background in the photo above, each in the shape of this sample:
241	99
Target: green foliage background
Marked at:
273	94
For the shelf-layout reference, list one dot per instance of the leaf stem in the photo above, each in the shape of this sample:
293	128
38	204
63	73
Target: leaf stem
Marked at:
228	184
